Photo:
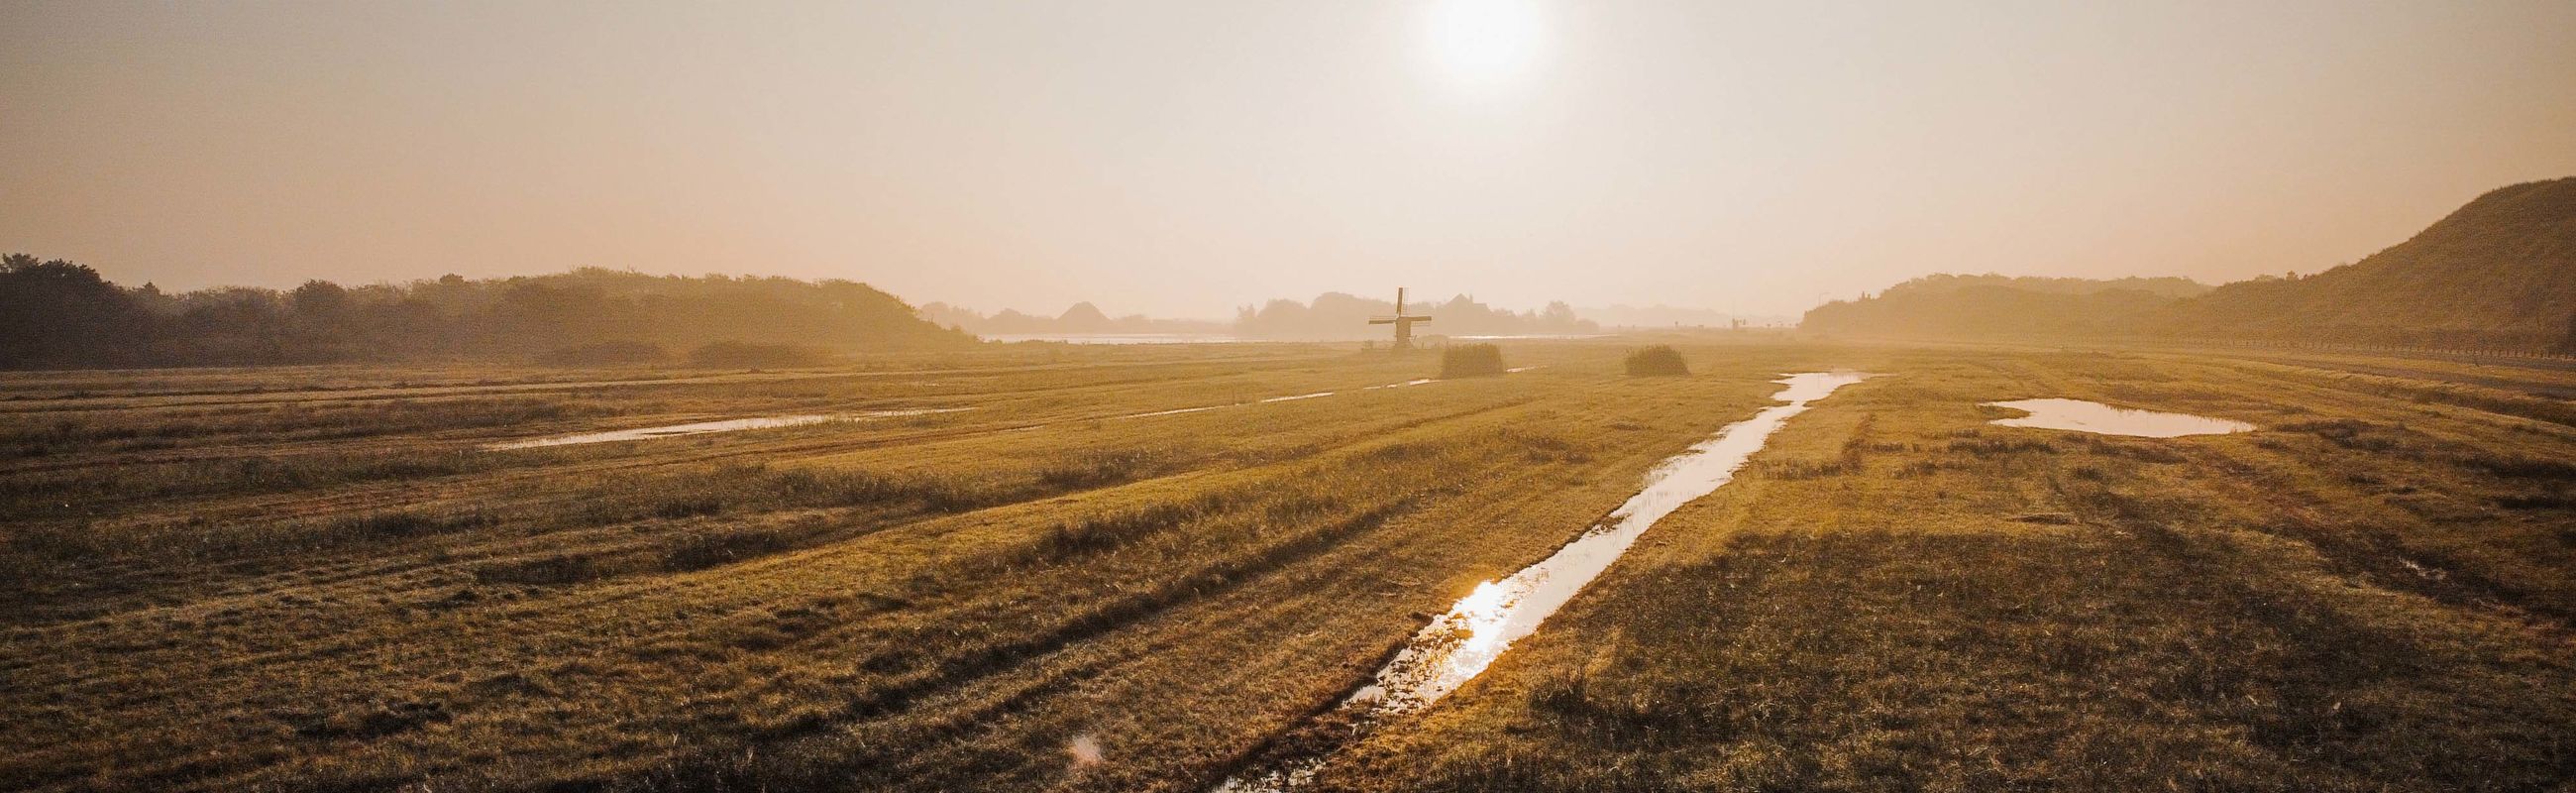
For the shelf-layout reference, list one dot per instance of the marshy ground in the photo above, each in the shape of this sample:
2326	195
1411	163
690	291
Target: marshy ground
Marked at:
325	579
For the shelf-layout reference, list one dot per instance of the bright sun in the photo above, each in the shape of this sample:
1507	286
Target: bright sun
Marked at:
1483	41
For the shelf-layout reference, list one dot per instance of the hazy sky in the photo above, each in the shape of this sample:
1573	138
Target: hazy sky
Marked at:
1181	158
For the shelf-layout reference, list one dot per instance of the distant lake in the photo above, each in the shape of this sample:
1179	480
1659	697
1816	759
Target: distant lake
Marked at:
1221	338
1118	338
1512	336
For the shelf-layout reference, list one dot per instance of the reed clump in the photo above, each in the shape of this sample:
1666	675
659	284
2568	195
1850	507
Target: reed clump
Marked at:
1471	360
1660	360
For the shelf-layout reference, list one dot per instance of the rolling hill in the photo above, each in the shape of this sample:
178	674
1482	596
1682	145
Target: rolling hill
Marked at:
2000	306
2499	273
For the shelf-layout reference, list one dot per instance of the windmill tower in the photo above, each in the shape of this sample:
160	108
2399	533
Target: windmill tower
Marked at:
1403	322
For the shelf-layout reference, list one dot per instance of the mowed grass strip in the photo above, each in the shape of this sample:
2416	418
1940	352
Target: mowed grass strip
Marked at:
103	532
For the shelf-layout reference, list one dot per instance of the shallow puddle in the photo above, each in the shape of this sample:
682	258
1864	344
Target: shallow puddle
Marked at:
1403	384
1173	412
2095	417
1458	645
705	427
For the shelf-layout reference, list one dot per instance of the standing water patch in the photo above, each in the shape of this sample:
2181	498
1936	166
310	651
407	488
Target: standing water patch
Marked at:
2095	417
704	427
1456	647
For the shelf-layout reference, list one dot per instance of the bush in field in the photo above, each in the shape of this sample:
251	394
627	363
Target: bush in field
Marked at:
606	353
1660	359
1471	360
729	354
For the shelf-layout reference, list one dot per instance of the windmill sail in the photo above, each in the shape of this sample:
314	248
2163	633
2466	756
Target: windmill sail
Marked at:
1403	322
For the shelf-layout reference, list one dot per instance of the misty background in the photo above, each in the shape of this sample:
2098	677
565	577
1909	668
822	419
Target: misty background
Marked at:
1185	159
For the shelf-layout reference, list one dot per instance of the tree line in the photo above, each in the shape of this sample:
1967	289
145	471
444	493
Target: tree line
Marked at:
61	314
1336	315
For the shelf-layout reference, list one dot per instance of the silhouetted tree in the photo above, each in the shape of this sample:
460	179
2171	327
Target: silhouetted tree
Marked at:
56	313
320	299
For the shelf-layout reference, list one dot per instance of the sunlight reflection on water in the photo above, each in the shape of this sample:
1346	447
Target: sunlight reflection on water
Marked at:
704	427
1458	645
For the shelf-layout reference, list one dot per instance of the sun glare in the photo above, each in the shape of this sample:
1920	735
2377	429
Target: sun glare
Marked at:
1483	41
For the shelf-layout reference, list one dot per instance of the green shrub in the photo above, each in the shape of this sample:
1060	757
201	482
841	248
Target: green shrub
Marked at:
1471	360
1657	360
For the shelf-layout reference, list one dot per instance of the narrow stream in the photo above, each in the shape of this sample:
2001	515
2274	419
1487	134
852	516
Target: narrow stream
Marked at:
1458	645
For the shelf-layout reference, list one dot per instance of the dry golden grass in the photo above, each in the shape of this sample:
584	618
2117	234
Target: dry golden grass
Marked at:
338	588
317	579
2371	593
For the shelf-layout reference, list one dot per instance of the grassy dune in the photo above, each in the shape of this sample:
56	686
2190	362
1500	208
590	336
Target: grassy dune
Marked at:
319	579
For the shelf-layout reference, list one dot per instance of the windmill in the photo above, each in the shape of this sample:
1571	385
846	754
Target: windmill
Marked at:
1403	322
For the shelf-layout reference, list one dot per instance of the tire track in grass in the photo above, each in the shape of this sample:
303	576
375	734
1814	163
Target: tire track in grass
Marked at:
360	652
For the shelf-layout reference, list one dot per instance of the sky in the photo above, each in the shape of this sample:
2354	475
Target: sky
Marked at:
1182	158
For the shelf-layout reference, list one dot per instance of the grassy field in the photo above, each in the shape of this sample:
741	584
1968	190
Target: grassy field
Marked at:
2371	593
322	579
